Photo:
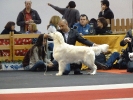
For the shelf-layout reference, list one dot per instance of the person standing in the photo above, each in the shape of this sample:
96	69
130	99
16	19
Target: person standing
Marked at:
71	36
69	13
52	27
53	24
27	16
106	12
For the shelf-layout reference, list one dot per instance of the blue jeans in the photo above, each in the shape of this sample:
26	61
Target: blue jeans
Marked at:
76	68
50	46
39	64
112	59
67	69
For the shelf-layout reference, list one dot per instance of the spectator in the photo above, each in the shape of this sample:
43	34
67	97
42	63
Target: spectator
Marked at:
93	22
83	26
71	36
109	63
106	12
26	16
37	55
9	27
102	26
32	28
69	13
53	24
52	27
128	40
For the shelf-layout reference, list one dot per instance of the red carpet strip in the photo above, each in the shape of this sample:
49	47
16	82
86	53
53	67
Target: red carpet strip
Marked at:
94	92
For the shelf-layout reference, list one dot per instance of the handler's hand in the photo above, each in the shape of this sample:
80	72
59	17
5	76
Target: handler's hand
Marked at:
95	44
127	39
50	65
46	35
49	4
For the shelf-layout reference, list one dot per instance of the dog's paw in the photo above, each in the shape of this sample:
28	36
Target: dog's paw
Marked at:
91	73
58	74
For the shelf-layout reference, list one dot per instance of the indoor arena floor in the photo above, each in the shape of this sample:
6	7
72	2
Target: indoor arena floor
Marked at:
105	85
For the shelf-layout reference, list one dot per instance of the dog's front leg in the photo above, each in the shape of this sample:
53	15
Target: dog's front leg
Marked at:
62	66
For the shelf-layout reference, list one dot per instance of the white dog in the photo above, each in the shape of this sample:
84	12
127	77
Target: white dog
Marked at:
65	53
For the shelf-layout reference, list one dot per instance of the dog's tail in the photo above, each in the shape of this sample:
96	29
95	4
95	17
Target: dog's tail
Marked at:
100	48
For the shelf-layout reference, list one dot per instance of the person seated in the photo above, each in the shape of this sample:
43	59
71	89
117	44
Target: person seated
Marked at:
32	28
93	21
102	28
128	40
82	27
107	64
10	27
38	56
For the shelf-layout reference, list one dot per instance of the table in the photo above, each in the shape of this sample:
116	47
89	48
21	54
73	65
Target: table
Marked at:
112	40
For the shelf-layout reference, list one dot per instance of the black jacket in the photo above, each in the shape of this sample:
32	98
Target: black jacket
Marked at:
102	31
129	45
71	15
75	36
21	19
7	31
108	14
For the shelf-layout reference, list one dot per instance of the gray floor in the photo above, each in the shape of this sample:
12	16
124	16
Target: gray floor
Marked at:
26	79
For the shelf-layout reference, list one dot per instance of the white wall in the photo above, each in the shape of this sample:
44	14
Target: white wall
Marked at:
9	9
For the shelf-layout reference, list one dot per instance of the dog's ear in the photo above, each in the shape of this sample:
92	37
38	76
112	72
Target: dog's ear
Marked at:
59	37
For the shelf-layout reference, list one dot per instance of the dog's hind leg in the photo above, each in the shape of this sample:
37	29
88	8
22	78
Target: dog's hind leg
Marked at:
62	66
90	63
93	70
92	66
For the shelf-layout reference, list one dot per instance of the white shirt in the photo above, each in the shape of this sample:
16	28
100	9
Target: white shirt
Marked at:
51	29
66	36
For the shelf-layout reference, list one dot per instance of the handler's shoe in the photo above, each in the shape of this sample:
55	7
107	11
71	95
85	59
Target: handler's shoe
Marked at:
66	72
102	66
77	73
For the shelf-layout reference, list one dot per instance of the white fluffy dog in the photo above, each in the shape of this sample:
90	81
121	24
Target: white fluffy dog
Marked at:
65	53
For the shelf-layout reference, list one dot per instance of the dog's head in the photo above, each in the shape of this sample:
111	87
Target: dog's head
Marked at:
57	37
